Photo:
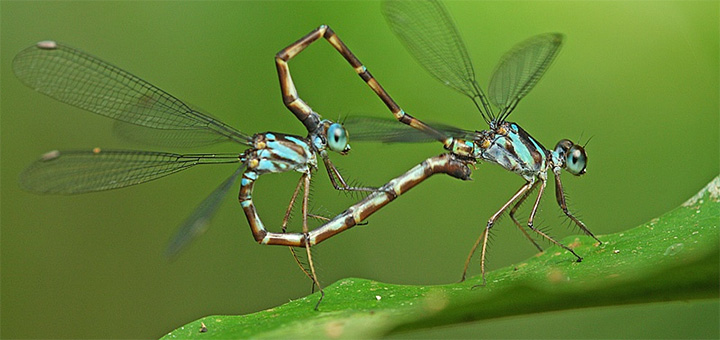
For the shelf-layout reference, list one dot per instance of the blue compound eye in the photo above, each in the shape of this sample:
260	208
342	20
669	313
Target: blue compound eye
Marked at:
337	138
576	160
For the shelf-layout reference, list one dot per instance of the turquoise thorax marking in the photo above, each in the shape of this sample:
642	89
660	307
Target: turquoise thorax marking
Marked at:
282	153
513	149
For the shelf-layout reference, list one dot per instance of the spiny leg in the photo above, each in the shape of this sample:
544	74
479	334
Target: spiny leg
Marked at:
512	216
292	203
484	235
303	111
543	182
319	217
334	173
447	163
284	227
560	196
472	251
306	232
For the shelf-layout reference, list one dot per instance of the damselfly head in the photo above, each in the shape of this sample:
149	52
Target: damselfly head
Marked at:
337	138
573	157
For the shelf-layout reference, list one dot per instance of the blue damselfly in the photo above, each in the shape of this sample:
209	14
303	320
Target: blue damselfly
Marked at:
145	113
428	32
148	114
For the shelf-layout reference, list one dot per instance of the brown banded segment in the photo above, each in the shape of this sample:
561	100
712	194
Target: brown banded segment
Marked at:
445	163
297	106
280	239
289	93
299	45
259	232
364	74
335	41
384	96
251	214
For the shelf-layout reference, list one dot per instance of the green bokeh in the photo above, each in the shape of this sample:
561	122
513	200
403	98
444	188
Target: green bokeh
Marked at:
640	78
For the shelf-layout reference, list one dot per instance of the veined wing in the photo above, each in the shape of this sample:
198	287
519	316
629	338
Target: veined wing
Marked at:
175	138
79	79
75	172
362	128
520	69
197	222
428	32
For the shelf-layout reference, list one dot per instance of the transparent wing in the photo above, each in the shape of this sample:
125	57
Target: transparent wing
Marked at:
196	224
176	138
361	128
79	79
428	32
520	69
75	172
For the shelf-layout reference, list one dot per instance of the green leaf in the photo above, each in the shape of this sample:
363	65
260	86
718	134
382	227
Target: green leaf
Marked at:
672	257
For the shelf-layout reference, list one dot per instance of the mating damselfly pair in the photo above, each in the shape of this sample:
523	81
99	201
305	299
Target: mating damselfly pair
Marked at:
148	114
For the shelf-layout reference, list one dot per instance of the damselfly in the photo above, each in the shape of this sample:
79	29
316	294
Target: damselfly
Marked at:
147	113
428	32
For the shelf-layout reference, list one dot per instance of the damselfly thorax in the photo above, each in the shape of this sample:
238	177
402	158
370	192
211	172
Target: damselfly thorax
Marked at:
511	147
276	152
427	30
150	115
147	114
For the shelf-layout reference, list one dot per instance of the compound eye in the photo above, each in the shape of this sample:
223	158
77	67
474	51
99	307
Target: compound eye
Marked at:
337	138
576	160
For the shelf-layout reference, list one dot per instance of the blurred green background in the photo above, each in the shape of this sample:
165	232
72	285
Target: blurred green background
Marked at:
640	78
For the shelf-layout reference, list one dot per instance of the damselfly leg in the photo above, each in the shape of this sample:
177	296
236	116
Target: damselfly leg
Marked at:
305	230
320	132
519	196
426	28
447	164
284	224
302	111
514	210
82	80
560	197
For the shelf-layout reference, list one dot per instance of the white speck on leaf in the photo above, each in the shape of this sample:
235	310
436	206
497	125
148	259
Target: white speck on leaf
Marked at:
673	249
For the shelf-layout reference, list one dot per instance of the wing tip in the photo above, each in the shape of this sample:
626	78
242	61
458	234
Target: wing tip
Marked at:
49	156
47	45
